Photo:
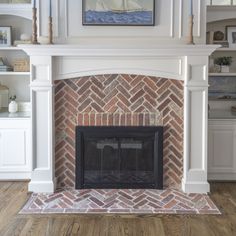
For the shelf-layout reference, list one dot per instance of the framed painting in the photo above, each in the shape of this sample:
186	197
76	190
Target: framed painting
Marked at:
231	35
118	12
5	36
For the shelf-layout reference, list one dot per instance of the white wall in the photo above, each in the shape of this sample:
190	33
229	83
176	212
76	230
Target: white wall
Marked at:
171	24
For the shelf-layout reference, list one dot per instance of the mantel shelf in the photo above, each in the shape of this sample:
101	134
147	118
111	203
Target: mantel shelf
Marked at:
226	50
222	74
88	50
14	73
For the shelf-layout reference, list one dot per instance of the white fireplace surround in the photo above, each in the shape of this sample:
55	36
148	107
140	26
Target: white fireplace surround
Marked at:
183	62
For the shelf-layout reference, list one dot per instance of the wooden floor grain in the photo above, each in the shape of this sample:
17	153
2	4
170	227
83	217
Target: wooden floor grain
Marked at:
13	195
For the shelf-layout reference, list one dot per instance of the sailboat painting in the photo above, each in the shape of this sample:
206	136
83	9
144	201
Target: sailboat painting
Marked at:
119	12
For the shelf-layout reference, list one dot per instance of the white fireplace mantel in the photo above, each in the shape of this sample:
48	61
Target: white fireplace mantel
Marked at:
184	62
117	50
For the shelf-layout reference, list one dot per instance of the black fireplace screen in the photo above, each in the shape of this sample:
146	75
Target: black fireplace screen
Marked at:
119	157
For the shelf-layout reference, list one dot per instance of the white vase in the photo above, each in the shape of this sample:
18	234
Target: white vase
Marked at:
13	107
224	69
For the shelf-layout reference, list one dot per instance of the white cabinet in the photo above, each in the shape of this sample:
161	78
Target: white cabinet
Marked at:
15	129
222	150
15	146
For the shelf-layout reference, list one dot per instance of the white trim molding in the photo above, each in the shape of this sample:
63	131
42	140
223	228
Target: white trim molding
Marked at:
183	62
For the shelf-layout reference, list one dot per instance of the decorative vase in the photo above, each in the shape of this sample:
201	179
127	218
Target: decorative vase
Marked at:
13	107
224	69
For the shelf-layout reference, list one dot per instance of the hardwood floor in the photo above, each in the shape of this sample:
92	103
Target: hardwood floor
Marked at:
13	195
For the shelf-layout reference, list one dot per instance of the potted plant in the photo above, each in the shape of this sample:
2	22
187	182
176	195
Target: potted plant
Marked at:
224	63
13	106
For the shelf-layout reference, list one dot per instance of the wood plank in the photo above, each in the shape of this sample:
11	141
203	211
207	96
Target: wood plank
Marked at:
13	196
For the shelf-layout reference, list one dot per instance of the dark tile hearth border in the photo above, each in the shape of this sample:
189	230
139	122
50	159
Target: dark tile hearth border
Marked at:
120	201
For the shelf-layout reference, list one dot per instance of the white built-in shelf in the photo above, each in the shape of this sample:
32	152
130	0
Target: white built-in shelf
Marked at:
10	48
220	13
222	74
14	73
226	50
221	99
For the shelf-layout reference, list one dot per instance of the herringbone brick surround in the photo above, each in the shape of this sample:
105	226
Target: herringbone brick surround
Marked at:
118	100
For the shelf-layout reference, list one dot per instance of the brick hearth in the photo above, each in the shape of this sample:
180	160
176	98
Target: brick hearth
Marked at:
135	201
126	100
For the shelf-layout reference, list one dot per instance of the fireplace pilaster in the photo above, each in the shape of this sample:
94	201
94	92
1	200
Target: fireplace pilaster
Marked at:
42	97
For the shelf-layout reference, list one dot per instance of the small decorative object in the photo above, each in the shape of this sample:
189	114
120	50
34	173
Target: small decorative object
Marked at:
43	40
5	36
231	36
34	23
17	42
13	106
21	65
4	94
224	63
25	37
211	65
218	35
119	12
210	37
216	69
50	33
191	17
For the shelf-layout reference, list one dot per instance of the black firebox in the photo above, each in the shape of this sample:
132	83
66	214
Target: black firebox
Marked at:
119	157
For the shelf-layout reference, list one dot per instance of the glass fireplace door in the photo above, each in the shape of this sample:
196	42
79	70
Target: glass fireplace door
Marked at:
119	157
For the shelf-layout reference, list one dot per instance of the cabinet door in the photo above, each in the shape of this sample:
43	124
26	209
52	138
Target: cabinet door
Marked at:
14	150
221	151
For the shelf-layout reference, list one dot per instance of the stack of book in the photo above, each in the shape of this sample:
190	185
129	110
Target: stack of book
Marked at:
3	67
17	42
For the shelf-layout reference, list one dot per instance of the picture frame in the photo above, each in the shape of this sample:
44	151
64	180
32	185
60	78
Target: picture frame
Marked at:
231	35
118	12
5	36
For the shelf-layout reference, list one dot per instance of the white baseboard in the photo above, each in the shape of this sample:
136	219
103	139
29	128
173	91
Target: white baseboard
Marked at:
41	187
195	187
222	176
15	176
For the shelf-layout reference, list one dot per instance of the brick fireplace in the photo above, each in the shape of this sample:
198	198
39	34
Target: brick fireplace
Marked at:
118	100
123	85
